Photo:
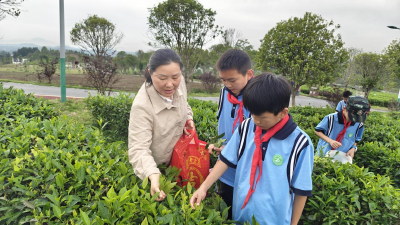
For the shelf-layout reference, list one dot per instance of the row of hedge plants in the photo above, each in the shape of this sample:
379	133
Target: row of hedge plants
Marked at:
55	171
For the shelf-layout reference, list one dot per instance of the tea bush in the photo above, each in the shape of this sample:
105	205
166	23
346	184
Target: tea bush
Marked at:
114	113
348	194
54	171
15	103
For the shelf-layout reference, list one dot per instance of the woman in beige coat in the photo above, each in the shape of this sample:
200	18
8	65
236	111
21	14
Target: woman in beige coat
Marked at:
158	117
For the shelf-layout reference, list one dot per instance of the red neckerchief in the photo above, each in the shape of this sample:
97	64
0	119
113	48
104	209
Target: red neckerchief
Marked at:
232	99
340	136
257	156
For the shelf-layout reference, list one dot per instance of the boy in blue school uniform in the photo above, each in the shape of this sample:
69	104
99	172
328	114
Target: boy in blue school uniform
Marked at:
343	130
273	158
234	68
342	104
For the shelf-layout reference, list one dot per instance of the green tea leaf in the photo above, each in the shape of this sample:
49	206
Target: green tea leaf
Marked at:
85	218
144	183
103	210
60	180
81	174
144	222
57	211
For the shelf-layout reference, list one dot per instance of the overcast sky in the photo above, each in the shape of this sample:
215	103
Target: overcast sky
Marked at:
363	22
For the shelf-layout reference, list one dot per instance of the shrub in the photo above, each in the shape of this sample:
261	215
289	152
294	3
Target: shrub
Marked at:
380	159
348	194
210	82
54	171
101	72
113	112
15	103
47	69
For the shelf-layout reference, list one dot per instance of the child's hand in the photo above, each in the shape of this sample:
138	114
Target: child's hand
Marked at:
212	147
335	144
351	152
197	197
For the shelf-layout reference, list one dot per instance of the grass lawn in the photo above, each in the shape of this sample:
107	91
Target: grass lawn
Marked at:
75	109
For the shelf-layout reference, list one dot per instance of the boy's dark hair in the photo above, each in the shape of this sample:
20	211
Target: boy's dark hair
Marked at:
347	94
267	92
234	59
159	58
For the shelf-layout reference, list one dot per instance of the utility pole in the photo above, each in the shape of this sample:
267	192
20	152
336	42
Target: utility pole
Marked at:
62	53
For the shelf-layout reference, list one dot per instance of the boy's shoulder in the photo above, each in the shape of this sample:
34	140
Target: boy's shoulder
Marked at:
288	132
333	116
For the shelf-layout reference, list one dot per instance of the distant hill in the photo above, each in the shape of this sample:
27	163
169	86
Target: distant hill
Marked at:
13	45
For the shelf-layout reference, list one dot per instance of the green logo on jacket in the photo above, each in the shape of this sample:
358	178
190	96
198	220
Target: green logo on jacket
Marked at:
277	160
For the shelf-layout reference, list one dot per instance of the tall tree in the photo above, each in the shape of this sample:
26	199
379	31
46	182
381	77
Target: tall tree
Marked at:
393	51
143	59
349	72
305	50
120	60
183	25
10	7
372	68
131	62
101	72
96	35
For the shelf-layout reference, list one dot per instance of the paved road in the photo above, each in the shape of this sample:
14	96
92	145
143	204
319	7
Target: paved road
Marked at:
82	93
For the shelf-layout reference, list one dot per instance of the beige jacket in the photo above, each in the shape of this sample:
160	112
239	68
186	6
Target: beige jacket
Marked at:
154	128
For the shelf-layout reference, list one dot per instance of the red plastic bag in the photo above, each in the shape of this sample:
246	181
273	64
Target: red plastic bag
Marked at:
190	155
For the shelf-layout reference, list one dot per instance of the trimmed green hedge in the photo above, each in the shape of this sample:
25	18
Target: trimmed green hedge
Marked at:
348	194
375	98
114	113
54	171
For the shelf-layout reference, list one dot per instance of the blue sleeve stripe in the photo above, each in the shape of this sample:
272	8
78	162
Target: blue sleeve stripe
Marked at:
227	162
244	129
359	127
330	125
301	192
220	102
300	143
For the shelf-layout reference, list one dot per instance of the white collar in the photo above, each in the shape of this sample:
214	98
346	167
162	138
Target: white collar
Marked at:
166	99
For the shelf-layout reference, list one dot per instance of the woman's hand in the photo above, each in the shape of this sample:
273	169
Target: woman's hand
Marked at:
189	126
155	187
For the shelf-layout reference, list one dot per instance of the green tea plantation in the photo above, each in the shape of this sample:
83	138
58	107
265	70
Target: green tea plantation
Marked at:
56	171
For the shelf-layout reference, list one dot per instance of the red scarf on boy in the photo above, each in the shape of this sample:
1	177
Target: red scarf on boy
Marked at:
257	156
340	136
232	99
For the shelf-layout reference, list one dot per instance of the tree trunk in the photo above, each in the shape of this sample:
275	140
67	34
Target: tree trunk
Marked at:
294	90
366	94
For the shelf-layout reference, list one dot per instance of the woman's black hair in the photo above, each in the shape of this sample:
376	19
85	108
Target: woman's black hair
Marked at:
158	58
267	92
